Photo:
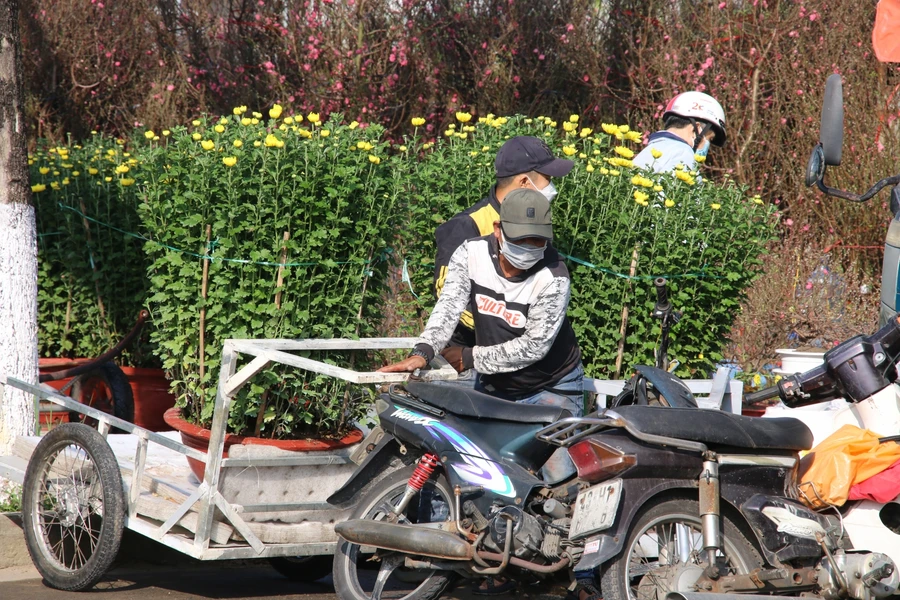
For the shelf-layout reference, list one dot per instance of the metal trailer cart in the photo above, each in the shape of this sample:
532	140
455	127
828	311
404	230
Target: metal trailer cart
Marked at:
83	486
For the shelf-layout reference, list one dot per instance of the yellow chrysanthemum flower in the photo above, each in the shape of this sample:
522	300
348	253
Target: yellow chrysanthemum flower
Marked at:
44	170
196	122
715	206
273	142
623	151
107	179
669	203
254	121
275	111
569	150
623	128
256	115
640	196
289	120
353	125
92	171
374	159
257	143
149	134
126	181
219	128
121	169
655	153
657	188
633	136
604	171
223	121
237	143
208	144
614	172
757	199
462	135
463	117
76	173
529	121
325	133
38	187
418	121
685	177
246	121
582	155
196	136
313	118
589	168
402	148
699	158
570	126
230	161
585	132
573	119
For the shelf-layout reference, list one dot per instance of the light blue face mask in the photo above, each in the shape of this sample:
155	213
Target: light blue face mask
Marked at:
704	150
521	256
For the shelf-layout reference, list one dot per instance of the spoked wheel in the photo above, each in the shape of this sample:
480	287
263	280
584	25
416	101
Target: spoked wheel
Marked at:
73	507
664	553
356	574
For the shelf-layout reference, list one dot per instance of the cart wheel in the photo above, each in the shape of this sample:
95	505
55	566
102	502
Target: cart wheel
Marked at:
304	569
73	507
105	388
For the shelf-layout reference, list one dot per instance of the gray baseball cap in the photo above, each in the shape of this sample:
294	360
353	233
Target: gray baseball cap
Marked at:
525	213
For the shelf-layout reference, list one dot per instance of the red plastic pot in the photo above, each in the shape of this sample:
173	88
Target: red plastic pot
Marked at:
197	438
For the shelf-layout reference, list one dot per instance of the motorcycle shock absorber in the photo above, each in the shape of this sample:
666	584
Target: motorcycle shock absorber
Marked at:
417	480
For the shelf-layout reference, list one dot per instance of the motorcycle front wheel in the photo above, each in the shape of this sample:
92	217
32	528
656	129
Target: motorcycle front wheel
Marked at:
664	553
355	572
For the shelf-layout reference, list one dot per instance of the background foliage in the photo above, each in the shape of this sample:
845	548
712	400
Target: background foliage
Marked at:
357	209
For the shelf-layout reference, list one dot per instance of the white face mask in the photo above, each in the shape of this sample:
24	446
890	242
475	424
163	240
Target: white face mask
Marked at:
549	192
521	256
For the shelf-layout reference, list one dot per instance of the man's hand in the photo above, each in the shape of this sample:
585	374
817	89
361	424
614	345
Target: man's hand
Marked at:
454	356
407	365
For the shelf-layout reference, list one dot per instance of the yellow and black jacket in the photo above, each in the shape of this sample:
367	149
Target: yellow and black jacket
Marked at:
473	222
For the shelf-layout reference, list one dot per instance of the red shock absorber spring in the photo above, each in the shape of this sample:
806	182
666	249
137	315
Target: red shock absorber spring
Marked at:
423	471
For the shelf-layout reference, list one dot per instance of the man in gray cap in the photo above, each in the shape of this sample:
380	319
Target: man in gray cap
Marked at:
523	162
525	349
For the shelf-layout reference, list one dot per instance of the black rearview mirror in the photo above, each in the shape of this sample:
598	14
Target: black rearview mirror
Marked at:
831	135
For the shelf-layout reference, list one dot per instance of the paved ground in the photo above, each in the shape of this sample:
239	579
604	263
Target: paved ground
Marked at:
171	576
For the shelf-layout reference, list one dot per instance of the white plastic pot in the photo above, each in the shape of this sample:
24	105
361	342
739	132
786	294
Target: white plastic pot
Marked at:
793	361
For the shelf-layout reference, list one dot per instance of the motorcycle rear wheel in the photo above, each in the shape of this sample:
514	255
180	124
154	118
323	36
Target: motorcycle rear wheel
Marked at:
670	533
351	579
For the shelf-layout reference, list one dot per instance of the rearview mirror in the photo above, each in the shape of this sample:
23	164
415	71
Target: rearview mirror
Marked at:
831	134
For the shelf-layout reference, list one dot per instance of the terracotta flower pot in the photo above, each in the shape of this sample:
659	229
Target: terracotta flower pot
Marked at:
197	438
151	397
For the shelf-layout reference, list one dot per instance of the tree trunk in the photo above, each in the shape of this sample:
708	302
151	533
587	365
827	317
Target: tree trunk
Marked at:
18	241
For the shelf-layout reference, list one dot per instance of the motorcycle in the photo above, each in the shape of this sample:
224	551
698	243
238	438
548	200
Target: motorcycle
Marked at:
693	505
452	490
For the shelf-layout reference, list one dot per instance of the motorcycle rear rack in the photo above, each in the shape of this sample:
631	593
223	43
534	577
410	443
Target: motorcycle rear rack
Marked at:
566	432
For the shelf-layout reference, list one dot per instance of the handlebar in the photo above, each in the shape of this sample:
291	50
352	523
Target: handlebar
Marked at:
662	296
761	395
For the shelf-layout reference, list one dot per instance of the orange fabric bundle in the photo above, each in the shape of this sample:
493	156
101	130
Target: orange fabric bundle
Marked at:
848	456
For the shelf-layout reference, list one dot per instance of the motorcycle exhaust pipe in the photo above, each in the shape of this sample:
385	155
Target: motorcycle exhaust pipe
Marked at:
705	596
420	541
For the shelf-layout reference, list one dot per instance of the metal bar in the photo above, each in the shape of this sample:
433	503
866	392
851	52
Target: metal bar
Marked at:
239	523
137	476
286	461
103	427
402	343
272	507
319	367
237	381
182	510
104	419
216	445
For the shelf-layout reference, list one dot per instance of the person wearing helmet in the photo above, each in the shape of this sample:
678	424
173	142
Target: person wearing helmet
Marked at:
691	122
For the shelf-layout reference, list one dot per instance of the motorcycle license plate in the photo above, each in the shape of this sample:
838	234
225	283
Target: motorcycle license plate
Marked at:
595	508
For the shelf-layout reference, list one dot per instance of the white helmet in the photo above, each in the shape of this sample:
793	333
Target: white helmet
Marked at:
697	105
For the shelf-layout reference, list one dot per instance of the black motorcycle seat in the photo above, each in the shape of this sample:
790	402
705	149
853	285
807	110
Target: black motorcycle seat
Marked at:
718	428
469	403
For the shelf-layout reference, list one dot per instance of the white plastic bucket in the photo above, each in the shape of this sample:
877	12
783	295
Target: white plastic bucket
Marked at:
793	361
